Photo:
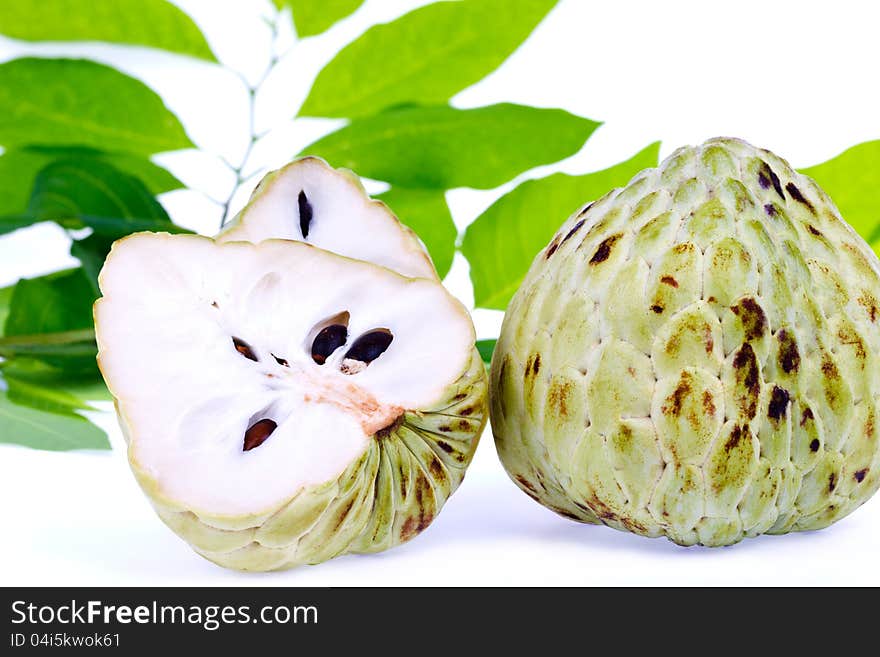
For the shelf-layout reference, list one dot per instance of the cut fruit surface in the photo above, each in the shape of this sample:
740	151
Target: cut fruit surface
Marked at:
249	376
310	201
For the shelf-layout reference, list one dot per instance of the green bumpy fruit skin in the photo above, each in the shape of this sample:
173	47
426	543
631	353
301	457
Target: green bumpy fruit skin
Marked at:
695	356
385	498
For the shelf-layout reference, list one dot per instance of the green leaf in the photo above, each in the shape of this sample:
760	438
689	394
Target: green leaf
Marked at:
12	222
442	147
151	23
53	303
74	102
89	387
19	168
91	252
50	319
5	298
426	212
425	57
98	195
313	17
502	242
42	398
29	427
852	179
486	347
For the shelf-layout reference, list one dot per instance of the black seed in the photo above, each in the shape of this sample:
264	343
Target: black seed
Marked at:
814	230
657	309
814	445
328	340
280	361
795	193
369	346
860	475
258	432
305	214
552	248
770	209
244	349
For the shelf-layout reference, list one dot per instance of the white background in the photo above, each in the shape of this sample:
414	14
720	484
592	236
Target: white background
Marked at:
799	78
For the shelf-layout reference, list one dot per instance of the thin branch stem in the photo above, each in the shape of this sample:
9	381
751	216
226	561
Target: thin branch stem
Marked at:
253	137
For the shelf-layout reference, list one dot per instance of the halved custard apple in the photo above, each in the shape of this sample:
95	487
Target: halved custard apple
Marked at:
284	404
310	201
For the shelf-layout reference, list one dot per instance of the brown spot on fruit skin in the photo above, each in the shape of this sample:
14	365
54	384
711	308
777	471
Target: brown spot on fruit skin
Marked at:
466	411
343	515
669	280
814	444
557	398
736	436
752	316
459	396
806	416
445	428
386	431
795	193
789	358
852	339
604	250
436	470
767	177
574	229
867	301
778	403
533	365
829	369
860	475
657	309
746	364
409	529
832	482
770	210
814	230
446	447
552	248
674	402
708	403
525	483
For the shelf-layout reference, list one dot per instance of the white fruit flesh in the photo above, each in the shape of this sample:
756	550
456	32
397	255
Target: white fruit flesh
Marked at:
171	307
309	201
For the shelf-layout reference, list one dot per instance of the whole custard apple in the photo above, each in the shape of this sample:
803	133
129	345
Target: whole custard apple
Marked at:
695	356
